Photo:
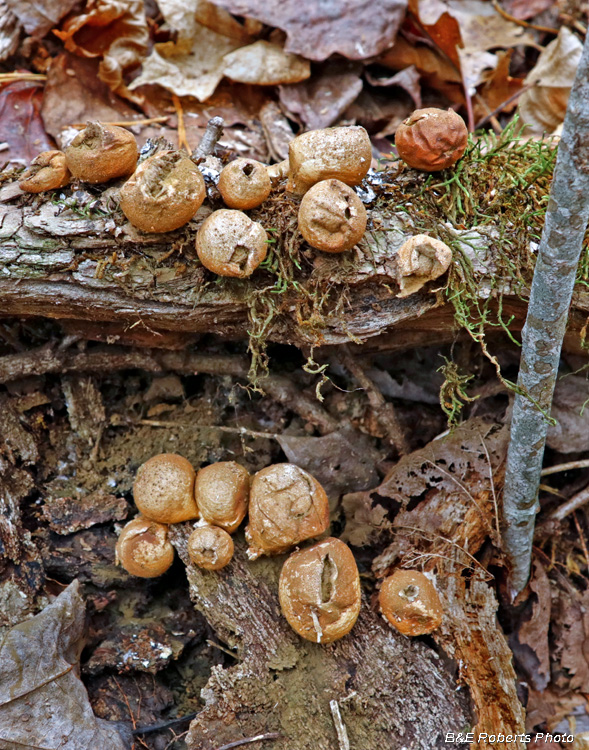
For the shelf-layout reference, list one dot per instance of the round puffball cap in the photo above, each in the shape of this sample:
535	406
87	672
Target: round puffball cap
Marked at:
100	153
143	548
229	243
210	547
319	591
244	183
410	602
331	217
164	489
287	506
47	171
431	139
221	492
164	193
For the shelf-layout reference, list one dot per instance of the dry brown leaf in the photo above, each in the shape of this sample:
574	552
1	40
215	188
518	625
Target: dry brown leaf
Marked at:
407	79
570	434
265	64
185	16
40	17
499	87
114	30
43	703
355	28
534	632
322	100
524	9
10	29
543	107
21	126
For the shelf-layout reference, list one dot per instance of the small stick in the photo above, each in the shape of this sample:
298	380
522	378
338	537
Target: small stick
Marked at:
340	727
249	740
575	502
508	17
213	132
583	464
164	724
498	109
9	77
182	141
582	538
126	123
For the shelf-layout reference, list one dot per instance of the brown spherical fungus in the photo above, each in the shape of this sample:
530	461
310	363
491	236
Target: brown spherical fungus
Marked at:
229	243
210	547
410	602
47	171
431	139
421	259
244	183
221	492
100	153
287	506
164	193
319	591
331	217
164	489
341	153
143	548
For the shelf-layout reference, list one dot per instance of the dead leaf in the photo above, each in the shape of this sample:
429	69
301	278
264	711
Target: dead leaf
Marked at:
355	28
185	16
10	29
21	124
499	87
265	64
43	702
113	30
534	631
570	630
323	99
277	130
407	79
543	107
569	407
524	9
40	17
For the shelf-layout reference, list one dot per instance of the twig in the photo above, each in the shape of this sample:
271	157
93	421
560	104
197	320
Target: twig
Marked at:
340	727
219	428
249	740
164	725
182	142
582	538
543	333
494	494
126	123
582	464
571	505
213	132
383	410
504	104
508	17
9	77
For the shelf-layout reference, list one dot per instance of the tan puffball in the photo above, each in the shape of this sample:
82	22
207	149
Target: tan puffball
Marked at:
244	183
210	547
47	171
341	153
164	489
229	243
221	492
421	259
431	139
287	506
319	591
331	217
164	193
100	153
143	548
410	602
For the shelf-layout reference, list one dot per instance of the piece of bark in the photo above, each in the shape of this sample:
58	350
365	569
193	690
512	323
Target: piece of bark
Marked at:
392	692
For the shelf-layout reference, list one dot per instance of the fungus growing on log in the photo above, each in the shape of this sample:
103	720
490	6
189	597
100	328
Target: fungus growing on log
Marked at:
331	217
421	259
221	491
47	171
100	153
431	139
143	548
210	547
229	243
410	602
244	183
164	489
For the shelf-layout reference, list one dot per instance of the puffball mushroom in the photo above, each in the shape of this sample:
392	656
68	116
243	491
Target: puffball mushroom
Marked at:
210	547
410	602
221	492
287	506
164	193
331	217
244	183
419	260
431	139
47	171
164	489
229	243
341	153
143	548
319	591
100	153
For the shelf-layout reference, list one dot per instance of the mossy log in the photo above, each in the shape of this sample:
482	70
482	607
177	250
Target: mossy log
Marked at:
105	280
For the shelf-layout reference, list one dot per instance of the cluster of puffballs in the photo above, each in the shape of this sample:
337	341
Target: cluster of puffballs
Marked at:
319	586
164	191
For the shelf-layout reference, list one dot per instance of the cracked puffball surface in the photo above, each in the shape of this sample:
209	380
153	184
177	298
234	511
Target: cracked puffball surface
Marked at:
100	153
163	490
332	217
210	547
143	548
287	505
164	193
421	259
342	153
410	602
47	171
221	492
431	139
319	591
229	243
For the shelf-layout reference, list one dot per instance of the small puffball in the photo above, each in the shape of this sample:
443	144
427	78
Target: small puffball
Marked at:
221	492
331	217
229	243
421	259
143	548
47	171
410	602
164	489
431	139
100	153
210	547
244	183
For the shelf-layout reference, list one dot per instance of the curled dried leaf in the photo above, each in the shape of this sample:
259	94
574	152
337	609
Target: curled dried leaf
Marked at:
265	64
419	260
